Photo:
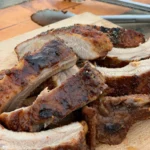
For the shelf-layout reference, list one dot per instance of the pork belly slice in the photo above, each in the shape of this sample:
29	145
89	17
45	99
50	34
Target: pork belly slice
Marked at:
52	106
31	71
124	38
131	79
120	57
87	44
112	117
71	136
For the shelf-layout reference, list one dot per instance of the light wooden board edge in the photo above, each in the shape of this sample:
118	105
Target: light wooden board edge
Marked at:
138	137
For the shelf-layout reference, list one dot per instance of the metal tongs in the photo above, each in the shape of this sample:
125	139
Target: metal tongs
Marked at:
142	18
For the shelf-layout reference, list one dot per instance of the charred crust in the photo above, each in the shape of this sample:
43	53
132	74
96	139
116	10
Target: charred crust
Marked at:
49	55
48	113
112	127
129	85
122	37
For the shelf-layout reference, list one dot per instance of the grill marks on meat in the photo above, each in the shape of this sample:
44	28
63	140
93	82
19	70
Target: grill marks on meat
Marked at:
32	70
119	57
66	137
122	37
115	115
52	106
87	43
131	79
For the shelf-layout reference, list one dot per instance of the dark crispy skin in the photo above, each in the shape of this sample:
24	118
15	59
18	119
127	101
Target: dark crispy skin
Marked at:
115	116
126	85
29	68
51	107
124	38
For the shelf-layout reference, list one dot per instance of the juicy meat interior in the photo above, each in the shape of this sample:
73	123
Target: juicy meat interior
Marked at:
71	136
32	70
131	79
120	57
112	117
52	106
87	43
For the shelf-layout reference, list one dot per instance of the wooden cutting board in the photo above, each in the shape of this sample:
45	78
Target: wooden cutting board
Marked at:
138	137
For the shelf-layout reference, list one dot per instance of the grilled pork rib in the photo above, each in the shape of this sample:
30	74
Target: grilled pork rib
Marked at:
52	106
120	57
32	70
66	137
87	44
113	116
123	38
131	79
119	37
55	80
51	83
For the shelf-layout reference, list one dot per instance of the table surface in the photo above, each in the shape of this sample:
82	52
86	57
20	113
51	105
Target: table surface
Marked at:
16	20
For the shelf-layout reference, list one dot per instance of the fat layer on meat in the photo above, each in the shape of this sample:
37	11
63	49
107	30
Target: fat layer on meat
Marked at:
71	136
120	57
131	79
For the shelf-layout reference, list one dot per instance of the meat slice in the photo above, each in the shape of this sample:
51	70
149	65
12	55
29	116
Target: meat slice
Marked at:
55	80
67	137
131	79
119	57
52	106
113	117
32	70
87	44
124	38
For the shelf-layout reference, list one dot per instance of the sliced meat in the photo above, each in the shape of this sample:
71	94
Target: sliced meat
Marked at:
32	70
55	80
114	116
52	106
124	38
120	57
67	137
131	79
87	43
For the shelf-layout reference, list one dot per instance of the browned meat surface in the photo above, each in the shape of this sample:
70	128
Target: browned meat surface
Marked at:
52	106
124	38
131	79
113	117
120	57
69	137
55	80
32	70
87	43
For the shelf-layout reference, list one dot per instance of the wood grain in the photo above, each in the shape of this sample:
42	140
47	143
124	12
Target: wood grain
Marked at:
14	19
